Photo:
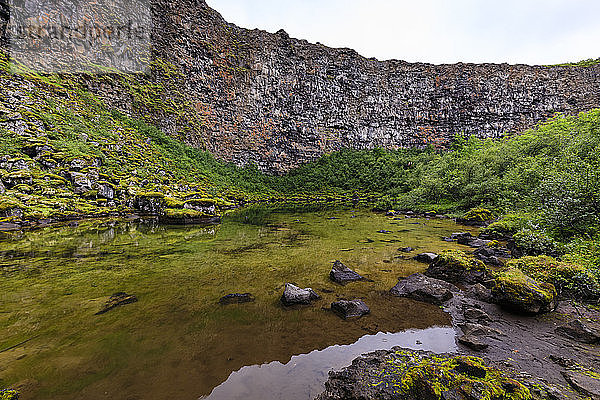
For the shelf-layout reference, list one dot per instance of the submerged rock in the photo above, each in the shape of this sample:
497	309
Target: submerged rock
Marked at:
579	332
418	375
350	308
342	274
457	267
295	295
426	258
117	299
520	293
422	288
236	298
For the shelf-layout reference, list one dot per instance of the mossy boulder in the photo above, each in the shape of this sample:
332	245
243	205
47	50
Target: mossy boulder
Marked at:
506	227
457	267
476	217
520	293
417	375
151	203
571	280
7	394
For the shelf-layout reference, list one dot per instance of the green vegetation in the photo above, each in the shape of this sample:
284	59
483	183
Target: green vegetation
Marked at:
590	62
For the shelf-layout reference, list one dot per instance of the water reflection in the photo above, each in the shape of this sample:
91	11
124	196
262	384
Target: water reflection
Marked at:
304	376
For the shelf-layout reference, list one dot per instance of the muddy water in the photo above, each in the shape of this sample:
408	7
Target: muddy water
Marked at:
176	341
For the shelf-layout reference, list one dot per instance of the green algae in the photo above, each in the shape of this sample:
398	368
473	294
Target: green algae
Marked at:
54	281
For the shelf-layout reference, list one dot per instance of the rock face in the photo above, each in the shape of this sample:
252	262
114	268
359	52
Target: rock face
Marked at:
578	331
586	384
294	295
350	308
518	292
342	274
422	288
252	96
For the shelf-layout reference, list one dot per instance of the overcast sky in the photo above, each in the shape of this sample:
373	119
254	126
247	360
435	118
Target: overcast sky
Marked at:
435	31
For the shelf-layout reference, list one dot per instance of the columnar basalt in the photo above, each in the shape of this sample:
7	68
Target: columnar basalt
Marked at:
249	96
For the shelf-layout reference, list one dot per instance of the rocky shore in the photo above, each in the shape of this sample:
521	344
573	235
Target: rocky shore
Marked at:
518	337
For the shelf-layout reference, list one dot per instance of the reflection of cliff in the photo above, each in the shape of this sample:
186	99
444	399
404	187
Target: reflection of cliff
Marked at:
268	99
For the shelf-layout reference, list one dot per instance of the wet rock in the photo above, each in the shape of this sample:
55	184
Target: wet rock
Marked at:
406	249
2	188
579	332
490	255
473	342
422	288
457	267
473	242
479	292
117	299
384	232
426	258
350	308
236	298
469	328
519	293
586	384
295	295
475	314
342	274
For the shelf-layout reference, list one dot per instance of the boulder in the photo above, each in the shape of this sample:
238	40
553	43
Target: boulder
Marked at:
518	292
457	267
406	249
579	332
477	315
479	292
422	288
295	295
117	299
473	342
236	298
458	235
350	308
426	258
342	274
491	255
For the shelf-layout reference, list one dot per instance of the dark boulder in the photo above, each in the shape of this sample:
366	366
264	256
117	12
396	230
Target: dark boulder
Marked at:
426	258
295	295
458	235
479	292
422	288
117	299
350	308
406	249
236	298
473	342
342	274
492	255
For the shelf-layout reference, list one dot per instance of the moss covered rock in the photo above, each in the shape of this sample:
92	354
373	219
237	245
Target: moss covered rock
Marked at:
416	375
457	267
571	280
522	294
476	217
7	394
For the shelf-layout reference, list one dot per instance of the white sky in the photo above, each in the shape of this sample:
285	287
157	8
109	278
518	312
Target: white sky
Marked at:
435	31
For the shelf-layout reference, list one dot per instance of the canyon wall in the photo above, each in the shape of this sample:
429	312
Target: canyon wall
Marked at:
268	99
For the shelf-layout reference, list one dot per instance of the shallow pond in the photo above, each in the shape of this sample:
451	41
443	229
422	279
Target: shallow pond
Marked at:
177	341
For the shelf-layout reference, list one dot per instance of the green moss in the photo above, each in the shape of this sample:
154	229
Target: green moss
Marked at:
9	203
171	202
521	291
508	225
459	260
414	375
184	213
7	394
569	278
478	215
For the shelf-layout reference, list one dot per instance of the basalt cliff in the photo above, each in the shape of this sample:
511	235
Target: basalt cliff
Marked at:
249	96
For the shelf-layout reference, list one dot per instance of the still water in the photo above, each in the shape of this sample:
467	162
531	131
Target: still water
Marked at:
177	341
